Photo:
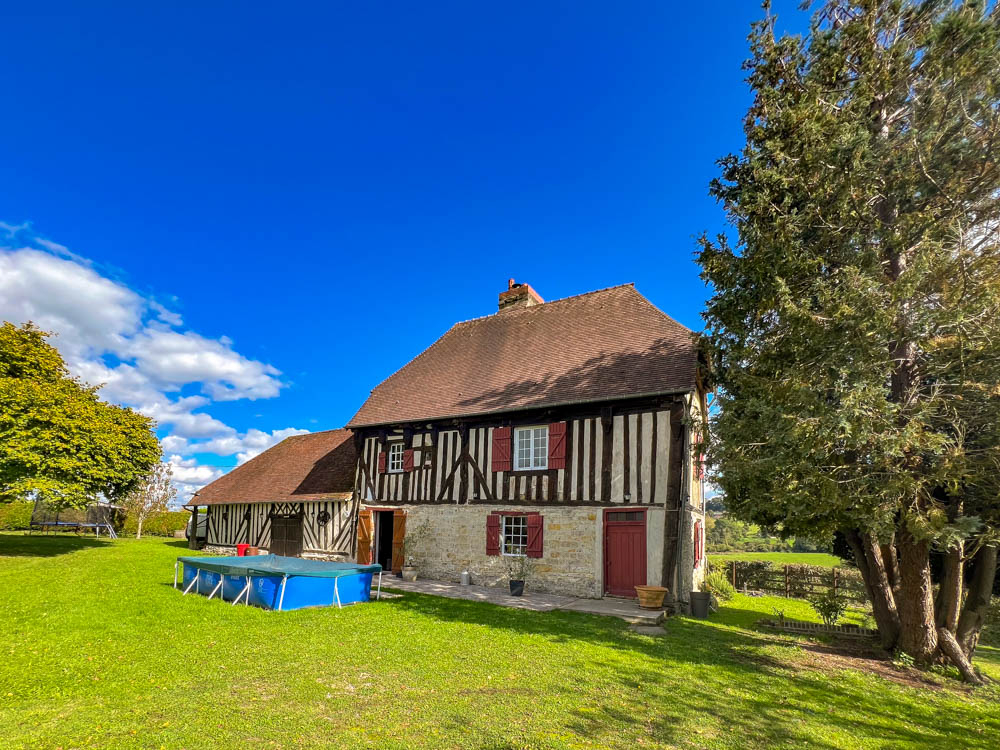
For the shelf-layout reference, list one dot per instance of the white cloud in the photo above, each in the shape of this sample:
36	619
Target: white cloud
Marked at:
137	349
171	359
246	446
90	313
189	476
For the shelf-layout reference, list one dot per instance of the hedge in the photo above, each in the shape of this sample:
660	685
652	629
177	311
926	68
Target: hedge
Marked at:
16	515
158	524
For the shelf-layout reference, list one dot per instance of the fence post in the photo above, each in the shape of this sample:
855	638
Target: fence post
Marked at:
788	588
732	570
834	581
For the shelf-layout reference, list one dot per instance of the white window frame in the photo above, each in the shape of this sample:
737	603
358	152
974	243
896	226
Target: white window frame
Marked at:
521	532
394	460
534	462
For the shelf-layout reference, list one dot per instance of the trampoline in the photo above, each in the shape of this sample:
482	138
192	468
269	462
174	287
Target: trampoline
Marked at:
95	517
279	583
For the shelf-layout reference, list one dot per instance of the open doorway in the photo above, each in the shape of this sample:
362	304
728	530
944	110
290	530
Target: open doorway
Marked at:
383	539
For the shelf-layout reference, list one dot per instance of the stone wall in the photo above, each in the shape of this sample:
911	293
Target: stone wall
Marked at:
456	541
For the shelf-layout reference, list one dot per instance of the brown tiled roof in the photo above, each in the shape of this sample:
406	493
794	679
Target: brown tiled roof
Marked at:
317	466
608	344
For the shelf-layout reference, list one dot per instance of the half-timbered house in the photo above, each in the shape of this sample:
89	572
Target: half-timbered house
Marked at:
564	431
294	499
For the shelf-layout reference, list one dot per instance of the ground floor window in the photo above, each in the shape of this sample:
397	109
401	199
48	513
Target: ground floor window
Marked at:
514	535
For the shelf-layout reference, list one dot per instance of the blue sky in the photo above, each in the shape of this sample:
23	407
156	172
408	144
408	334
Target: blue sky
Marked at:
255	212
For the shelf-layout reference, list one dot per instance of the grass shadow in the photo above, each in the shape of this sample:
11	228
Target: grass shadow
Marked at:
710	655
182	543
46	545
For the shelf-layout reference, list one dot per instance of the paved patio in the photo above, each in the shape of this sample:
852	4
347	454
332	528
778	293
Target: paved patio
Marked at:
537	601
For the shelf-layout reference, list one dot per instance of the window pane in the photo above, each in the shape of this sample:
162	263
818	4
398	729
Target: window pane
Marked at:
524	449
515	535
396	457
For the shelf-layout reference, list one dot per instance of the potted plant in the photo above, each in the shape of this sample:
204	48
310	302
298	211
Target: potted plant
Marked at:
412	542
409	571
518	569
651	597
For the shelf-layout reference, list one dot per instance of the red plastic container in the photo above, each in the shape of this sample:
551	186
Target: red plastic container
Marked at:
241	550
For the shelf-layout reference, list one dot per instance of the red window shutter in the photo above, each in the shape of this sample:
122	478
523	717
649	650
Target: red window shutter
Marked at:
697	543
535	526
501	449
493	534
408	460
381	462
557	445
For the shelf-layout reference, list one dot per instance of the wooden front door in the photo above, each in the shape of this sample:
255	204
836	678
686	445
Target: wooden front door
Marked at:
365	528
286	535
398	535
624	551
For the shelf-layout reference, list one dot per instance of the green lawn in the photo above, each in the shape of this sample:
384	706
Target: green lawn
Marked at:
780	558
102	652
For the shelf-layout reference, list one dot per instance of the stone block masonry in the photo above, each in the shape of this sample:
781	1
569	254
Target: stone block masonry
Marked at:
456	541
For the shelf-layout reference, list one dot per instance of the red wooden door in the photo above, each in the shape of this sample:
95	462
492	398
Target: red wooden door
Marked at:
624	551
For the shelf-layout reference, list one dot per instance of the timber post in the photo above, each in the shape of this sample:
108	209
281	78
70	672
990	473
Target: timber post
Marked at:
193	534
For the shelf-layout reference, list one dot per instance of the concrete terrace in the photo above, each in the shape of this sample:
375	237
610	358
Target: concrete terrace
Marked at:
536	601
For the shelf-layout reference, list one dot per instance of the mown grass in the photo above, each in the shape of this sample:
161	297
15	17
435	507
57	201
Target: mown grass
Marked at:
101	651
780	558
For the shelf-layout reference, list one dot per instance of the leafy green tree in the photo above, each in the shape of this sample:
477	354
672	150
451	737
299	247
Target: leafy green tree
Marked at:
58	440
854	325
150	496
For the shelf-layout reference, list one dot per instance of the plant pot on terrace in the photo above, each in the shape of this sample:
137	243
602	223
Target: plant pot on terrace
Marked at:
651	597
409	573
517	570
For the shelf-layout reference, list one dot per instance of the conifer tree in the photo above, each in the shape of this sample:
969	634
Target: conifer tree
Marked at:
854	325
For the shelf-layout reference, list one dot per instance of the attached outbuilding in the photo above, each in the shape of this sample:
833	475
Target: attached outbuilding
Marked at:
294	499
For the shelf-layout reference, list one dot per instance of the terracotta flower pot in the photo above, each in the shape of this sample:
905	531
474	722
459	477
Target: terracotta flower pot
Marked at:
651	597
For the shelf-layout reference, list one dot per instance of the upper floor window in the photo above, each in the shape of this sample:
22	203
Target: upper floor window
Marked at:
532	446
395	457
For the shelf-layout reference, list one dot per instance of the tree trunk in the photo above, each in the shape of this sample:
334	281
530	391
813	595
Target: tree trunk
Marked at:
949	598
870	563
138	529
891	564
918	634
951	649
970	623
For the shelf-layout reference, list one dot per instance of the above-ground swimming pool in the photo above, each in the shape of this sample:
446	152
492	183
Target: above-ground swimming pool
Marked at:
276	582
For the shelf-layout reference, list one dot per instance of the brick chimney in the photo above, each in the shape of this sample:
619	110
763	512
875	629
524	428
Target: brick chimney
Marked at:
518	295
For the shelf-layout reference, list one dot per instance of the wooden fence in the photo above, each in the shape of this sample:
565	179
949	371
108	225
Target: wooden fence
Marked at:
798	581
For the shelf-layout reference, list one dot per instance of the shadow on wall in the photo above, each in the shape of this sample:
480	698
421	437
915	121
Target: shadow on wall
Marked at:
46	545
603	374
